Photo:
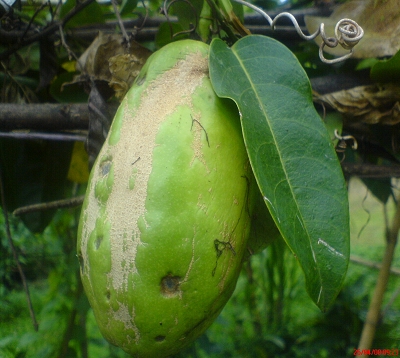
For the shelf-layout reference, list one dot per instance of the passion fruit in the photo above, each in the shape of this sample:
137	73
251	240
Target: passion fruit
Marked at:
166	218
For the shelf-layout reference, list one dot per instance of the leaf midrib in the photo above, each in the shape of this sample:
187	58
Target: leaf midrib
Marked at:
284	169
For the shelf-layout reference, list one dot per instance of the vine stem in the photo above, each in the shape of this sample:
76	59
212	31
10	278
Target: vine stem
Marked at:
371	264
15	254
57	204
121	24
374	311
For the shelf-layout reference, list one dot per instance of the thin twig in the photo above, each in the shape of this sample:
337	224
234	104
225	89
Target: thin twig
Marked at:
47	31
15	255
368	170
371	264
71	54
44	136
136	29
58	204
11	77
41	7
120	23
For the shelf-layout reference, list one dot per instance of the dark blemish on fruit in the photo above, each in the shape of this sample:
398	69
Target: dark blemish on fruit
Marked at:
81	263
98	242
170	285
159	338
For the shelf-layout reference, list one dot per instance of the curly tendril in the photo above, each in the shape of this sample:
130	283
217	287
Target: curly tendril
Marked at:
347	32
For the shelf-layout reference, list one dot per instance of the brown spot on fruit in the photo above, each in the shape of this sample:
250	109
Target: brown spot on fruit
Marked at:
170	285
105	166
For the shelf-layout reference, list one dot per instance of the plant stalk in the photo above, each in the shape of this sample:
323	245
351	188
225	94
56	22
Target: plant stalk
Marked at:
374	311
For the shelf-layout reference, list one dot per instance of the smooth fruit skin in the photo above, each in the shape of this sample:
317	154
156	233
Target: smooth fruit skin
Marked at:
166	217
263	228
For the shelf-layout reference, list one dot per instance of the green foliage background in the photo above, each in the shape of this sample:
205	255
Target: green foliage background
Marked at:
269	315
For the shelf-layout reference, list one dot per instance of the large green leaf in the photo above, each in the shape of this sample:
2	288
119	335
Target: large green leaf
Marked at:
292	156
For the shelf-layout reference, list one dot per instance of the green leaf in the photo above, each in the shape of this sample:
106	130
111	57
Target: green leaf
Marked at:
380	188
366	63
91	14
291	154
169	32
333	122
127	8
187	12
64	90
387	70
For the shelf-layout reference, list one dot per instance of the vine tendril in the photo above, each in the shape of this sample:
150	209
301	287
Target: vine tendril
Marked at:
346	137
347	32
165	10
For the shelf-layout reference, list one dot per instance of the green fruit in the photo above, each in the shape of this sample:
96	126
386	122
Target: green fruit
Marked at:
166	219
263	228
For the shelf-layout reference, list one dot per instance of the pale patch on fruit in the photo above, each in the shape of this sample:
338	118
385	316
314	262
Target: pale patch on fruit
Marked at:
88	226
132	179
197	145
123	315
125	204
192	261
201	204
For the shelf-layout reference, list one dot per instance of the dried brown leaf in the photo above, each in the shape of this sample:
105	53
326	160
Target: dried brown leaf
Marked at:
367	104
112	50
124	69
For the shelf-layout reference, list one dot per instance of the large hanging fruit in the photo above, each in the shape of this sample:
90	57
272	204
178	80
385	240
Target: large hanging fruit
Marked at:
166	219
